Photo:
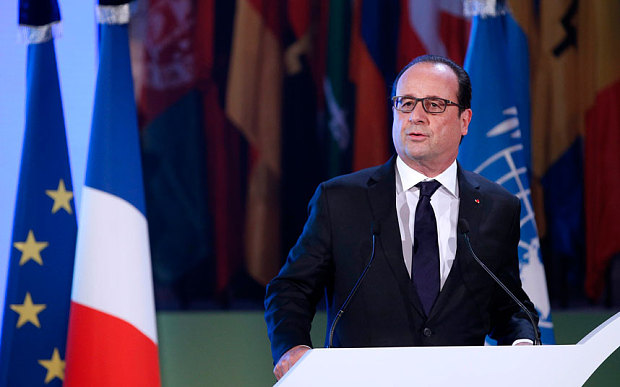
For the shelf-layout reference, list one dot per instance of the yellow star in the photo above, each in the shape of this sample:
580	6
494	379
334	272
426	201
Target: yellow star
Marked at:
28	312
61	198
31	249
55	367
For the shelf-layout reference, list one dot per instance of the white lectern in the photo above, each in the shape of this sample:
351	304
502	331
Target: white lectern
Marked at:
552	365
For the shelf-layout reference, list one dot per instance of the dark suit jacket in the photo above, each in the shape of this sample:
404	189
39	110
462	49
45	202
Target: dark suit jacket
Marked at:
336	244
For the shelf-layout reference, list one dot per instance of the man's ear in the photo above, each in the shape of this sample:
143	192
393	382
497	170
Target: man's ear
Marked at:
465	120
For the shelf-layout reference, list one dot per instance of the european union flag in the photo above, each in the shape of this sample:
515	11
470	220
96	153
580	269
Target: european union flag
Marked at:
38	293
497	144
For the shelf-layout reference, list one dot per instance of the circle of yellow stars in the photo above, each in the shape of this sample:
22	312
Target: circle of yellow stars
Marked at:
31	251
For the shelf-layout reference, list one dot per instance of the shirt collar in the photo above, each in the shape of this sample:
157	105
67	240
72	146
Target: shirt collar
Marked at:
409	177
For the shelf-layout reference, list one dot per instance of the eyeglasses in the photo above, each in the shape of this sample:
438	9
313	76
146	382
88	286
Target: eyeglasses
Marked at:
431	105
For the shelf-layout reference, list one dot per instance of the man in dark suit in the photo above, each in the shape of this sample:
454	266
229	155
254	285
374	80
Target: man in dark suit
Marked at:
423	287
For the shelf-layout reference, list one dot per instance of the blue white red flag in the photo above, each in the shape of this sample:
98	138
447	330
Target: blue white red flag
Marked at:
112	339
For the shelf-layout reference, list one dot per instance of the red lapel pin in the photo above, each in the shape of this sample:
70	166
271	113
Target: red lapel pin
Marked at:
477	201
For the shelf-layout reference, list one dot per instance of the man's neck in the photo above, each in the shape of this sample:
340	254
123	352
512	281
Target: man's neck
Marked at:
428	169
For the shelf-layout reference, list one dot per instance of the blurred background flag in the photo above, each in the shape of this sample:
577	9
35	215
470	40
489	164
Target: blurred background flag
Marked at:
304	44
172	50
557	141
254	106
374	41
599	52
497	145
112	336
36	309
337	90
432	27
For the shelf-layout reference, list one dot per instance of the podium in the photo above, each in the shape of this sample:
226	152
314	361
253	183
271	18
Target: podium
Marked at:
548	365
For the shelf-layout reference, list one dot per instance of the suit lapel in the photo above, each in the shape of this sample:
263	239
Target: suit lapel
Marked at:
382	198
470	208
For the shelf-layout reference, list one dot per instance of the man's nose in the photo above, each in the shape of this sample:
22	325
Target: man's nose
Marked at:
417	114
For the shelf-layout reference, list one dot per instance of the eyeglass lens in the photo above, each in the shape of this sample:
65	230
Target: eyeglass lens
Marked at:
430	104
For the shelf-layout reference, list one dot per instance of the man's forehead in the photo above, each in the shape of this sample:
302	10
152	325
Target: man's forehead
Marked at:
428	73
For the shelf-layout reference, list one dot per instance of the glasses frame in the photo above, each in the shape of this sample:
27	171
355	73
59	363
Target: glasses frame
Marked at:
447	102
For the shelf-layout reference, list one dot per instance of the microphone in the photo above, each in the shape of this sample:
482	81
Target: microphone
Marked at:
463	228
375	228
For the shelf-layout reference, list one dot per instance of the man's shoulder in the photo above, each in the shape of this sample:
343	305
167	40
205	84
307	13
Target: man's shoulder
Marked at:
489	187
359	179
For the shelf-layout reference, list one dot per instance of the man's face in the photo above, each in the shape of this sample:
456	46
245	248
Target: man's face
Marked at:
428	142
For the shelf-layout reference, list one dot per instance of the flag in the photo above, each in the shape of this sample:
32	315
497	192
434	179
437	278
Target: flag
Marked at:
168	69
599	46
372	65
254	105
225	145
432	27
112	338
497	145
337	91
302	167
36	310
557	141
385	36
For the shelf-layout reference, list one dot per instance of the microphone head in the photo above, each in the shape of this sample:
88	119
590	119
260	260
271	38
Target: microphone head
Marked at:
375	228
463	226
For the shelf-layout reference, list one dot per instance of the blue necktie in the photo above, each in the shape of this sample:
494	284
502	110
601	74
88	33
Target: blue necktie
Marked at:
425	263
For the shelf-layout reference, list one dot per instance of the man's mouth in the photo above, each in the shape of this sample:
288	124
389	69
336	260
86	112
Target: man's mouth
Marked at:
416	135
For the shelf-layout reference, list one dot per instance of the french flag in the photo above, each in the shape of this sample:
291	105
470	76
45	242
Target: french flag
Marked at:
112	338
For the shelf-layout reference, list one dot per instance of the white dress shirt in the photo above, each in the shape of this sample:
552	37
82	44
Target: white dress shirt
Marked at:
445	203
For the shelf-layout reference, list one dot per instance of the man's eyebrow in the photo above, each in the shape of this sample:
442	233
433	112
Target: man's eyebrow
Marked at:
428	96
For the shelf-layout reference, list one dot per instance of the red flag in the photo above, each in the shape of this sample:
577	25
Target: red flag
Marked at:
432	27
371	68
599	45
401	30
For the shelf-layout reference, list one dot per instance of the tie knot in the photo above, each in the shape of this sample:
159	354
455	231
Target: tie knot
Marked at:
428	188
